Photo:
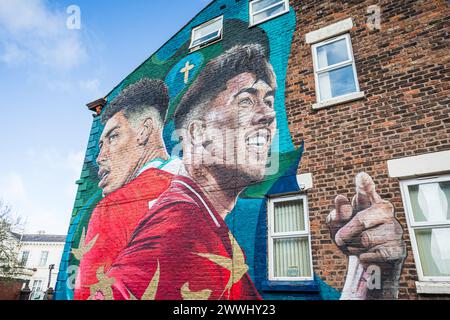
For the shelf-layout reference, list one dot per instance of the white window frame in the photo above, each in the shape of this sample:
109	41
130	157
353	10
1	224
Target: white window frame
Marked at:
286	235
208	42
22	256
40	288
37	294
350	62
253	14
413	226
46	258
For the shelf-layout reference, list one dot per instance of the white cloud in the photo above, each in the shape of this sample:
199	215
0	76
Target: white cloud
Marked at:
12	54
44	191
92	86
32	33
71	161
75	160
13	187
48	220
14	193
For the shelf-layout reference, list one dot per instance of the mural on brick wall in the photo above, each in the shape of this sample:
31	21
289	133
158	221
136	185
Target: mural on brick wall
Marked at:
367	230
172	204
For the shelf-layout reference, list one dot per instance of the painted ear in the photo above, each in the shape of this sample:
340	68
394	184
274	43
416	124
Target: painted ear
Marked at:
195	132
145	131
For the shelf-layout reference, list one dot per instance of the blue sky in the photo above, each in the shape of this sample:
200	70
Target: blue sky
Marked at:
47	75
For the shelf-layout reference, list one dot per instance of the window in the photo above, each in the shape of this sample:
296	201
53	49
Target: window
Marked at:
37	285
24	258
334	68
427	203
207	33
263	10
43	260
289	239
37	290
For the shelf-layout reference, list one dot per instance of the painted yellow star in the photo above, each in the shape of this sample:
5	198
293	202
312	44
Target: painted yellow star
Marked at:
187	294
152	289
83	247
236	265
103	289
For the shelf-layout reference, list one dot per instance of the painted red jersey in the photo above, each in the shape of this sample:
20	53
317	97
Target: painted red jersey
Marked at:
112	223
182	249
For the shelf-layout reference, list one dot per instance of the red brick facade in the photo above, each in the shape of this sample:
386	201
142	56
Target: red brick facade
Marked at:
10	289
404	71
402	66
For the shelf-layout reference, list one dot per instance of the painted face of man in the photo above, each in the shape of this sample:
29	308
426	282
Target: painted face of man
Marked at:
119	153
243	114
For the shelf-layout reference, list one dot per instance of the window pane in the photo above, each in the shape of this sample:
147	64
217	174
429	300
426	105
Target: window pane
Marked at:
24	259
337	83
260	5
434	251
43	260
37	285
269	13
332	53
206	38
207	33
291	258
430	202
289	216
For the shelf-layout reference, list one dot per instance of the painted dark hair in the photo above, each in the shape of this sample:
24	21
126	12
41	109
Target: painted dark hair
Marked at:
135	99
214	77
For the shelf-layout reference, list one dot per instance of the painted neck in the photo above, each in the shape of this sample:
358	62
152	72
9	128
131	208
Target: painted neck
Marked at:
223	196
154	149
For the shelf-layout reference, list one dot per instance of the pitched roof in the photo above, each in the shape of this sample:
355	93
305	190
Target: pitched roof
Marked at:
41	238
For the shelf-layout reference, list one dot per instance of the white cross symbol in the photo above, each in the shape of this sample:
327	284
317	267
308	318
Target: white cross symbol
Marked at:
188	67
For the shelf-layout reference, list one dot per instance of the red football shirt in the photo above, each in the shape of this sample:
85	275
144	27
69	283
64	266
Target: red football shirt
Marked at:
182	249
113	222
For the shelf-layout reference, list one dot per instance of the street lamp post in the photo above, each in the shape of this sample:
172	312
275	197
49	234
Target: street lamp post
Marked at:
50	268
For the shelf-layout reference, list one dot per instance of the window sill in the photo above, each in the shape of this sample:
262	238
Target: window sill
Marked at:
290	286
339	100
204	45
433	287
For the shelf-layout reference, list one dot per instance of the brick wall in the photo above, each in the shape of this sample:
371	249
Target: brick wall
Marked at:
10	289
404	71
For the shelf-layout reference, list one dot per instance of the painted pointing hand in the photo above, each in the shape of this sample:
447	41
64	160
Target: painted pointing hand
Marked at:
367	228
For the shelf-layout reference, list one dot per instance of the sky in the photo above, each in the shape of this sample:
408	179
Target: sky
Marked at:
49	72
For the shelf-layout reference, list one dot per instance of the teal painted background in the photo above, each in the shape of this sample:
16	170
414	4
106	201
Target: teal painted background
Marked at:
248	221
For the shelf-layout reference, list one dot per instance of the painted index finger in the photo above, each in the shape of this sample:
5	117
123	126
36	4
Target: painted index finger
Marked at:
366	194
